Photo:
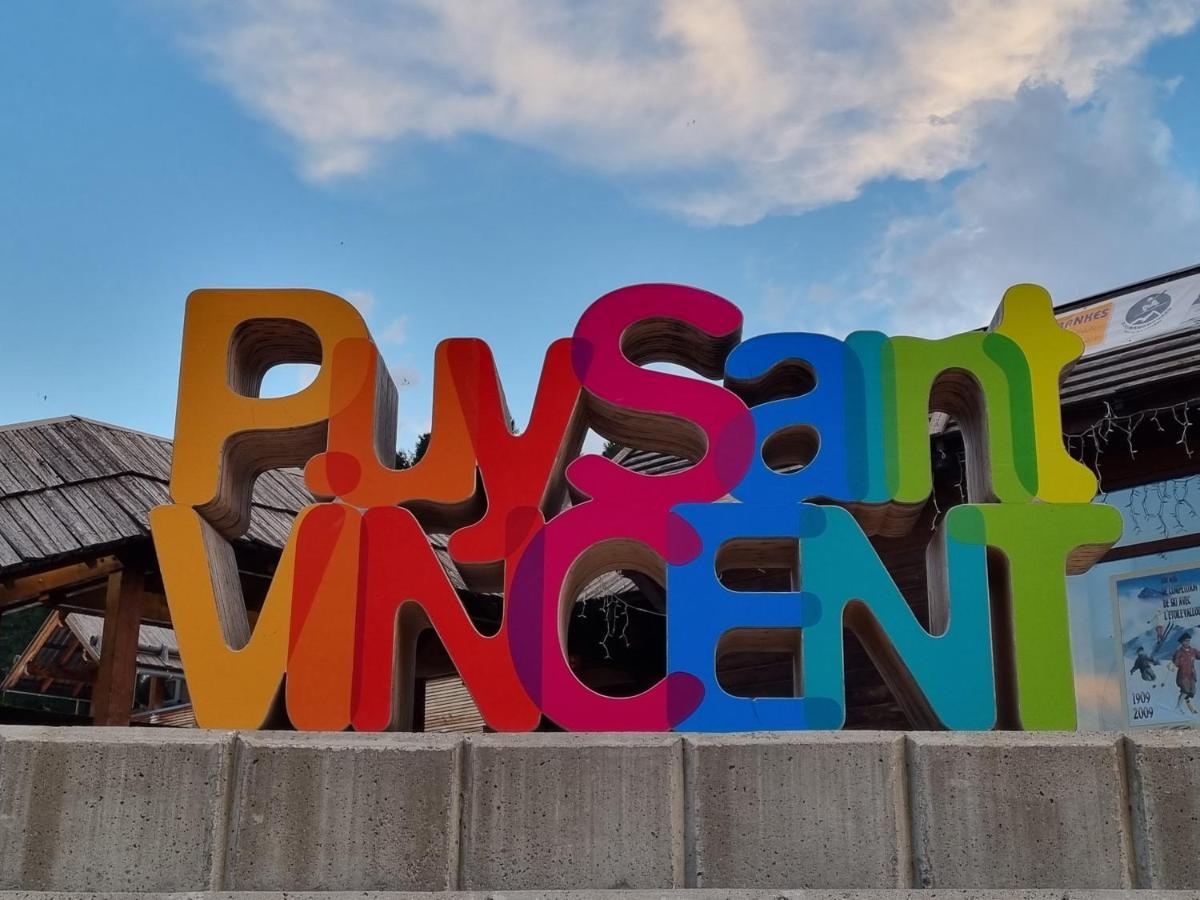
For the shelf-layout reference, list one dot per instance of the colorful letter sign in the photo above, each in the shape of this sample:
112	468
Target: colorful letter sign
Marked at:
810	445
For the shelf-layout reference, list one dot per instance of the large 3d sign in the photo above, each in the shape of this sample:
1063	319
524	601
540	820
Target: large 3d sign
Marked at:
358	581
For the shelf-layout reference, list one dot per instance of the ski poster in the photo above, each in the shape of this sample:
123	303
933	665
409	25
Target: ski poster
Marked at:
1158	623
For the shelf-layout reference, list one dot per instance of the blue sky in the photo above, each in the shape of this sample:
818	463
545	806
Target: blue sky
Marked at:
490	169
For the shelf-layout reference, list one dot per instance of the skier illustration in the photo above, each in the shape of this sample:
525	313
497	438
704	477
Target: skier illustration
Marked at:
1184	662
1145	665
1160	627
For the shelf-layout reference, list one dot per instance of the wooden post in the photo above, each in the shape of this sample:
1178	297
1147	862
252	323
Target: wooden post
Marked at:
418	711
156	693
112	695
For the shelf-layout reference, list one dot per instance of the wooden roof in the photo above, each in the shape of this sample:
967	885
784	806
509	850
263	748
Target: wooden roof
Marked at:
66	652
72	485
157	646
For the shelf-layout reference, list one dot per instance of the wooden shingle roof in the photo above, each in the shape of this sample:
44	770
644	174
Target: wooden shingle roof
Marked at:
72	485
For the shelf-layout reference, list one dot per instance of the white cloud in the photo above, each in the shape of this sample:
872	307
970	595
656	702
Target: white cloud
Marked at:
396	331
404	376
1078	200
413	417
720	110
363	301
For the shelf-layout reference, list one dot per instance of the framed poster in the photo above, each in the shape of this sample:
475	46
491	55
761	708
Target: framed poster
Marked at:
1157	624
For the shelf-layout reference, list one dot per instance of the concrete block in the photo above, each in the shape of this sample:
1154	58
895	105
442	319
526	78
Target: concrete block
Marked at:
111	808
670	894
1019	810
798	810
1164	780
573	811
347	812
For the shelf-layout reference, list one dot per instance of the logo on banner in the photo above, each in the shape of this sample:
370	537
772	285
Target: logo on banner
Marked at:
1147	312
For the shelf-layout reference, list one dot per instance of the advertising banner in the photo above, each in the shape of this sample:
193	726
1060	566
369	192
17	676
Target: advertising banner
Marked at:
1137	315
1158	621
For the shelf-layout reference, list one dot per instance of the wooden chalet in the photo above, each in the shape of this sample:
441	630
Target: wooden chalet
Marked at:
85	629
77	559
63	658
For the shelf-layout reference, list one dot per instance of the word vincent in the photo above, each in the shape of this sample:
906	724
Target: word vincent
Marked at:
810	444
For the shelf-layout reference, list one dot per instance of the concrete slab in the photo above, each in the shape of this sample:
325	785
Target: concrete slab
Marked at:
344	812
111	808
1164	780
797	810
673	894
562	811
1019	810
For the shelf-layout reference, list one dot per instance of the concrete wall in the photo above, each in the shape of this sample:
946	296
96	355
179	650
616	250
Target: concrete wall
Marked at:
160	810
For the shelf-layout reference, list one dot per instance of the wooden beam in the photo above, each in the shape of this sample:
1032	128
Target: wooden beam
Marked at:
17	672
28	587
68	651
112	697
57	672
154	604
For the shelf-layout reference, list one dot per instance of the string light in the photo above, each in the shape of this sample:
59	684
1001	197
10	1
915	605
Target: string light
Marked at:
615	610
1093	441
1162	505
1089	445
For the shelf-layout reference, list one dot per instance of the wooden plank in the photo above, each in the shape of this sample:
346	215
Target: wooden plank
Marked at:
91	600
156	693
151	493
121	522
266	492
60	673
112	698
14	532
28	587
18	439
133	505
270	527
60	538
111	443
58	435
448	707
138	455
17	672
138	495
84	436
1182	355
1118	375
68	517
31	525
50	454
105	528
17	466
154	453
8	483
1167	361
8	554
291	483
